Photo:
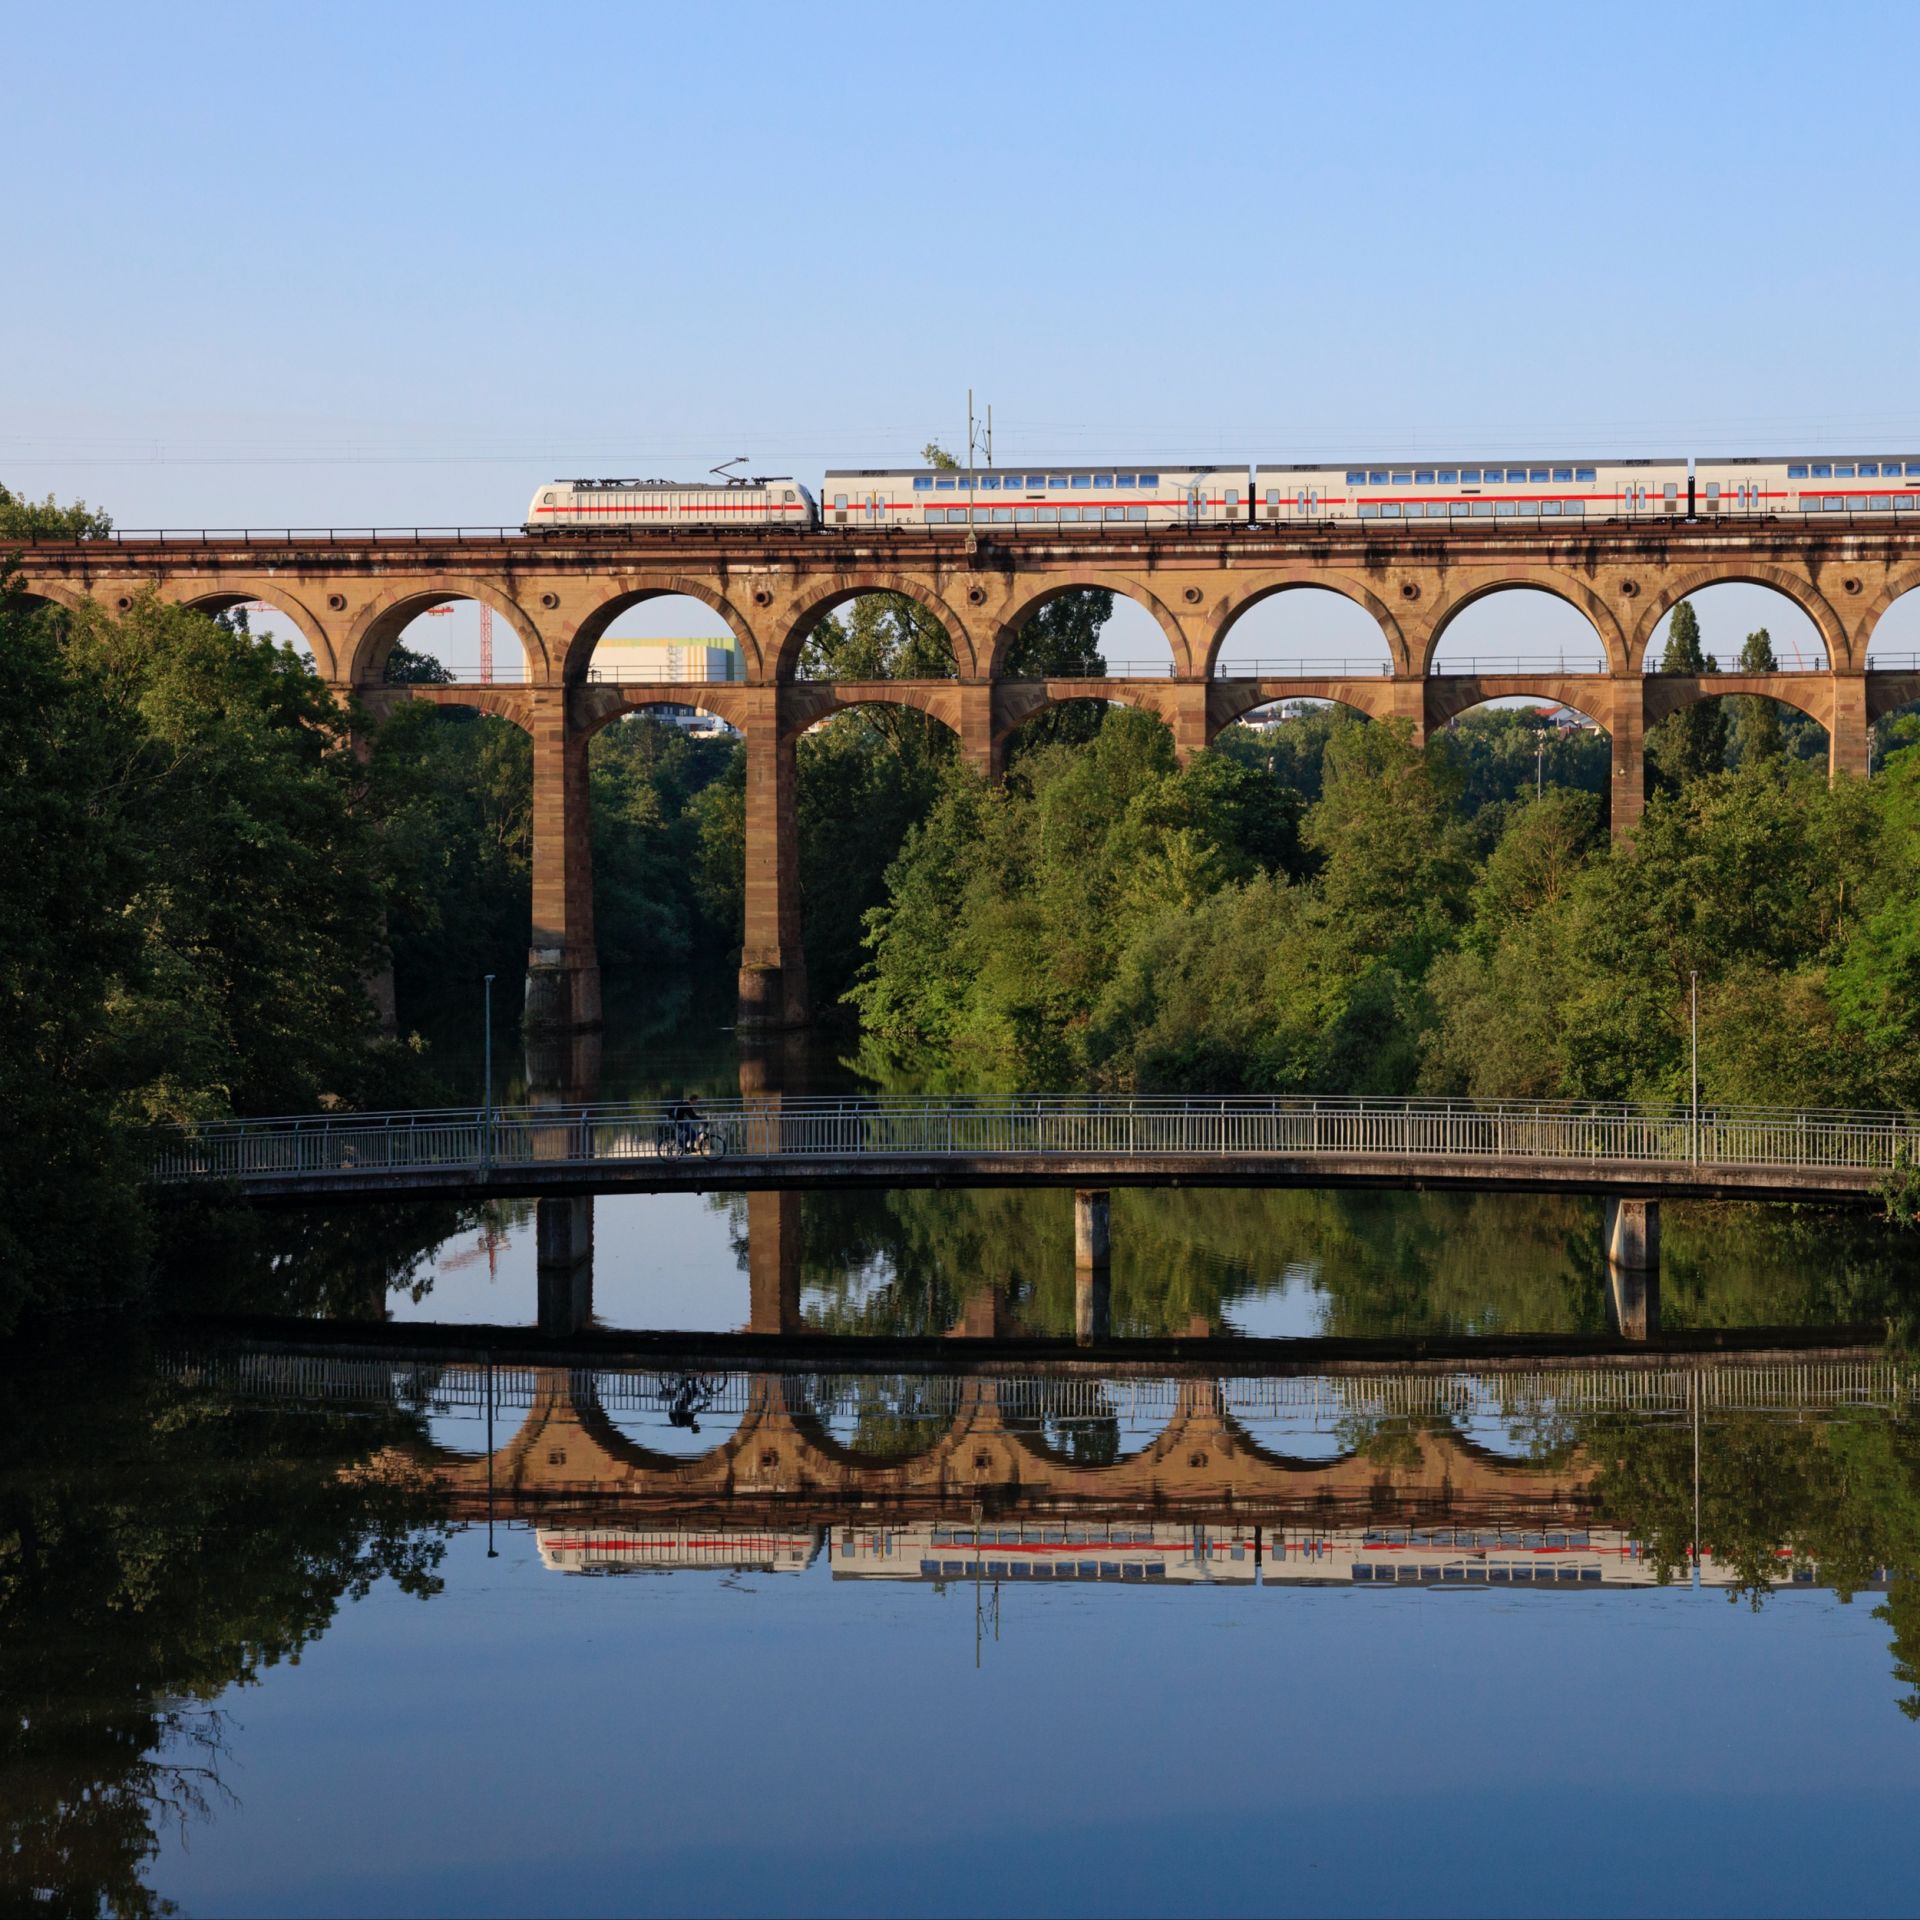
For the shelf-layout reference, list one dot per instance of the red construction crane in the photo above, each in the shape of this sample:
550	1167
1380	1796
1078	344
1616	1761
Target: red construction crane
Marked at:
486	644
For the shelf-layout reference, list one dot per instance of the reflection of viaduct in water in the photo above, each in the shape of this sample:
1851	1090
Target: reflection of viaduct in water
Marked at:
1401	1442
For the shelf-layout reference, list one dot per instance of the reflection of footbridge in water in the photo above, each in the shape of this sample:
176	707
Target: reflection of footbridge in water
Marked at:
1399	1442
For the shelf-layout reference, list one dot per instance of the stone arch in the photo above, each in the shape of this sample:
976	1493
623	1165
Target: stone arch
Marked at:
597	706
811	705
374	633
577	642
1228	701
1305	576
504	703
813	601
1020	611
272	593
1666	695
1022	701
1448	698
1564	587
1743	573
52	593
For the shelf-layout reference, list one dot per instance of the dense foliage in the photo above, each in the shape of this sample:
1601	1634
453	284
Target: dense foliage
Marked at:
1436	926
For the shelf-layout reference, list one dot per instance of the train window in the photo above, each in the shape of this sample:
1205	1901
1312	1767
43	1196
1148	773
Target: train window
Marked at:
1136	513
923	483
935	513
1856	503
1563	473
840	502
1550	506
1588	474
1391	511
1233	496
1273	496
1369	513
1903	502
1506	506
1537	473
1448	477
1403	479
786	493
1022	515
1843	473
1822	470
1424	478
546	499
1483	509
1047	513
1376	479
1103	479
1880	503
1116	513
1516	473
1470	476
945	486
1127	480
1149	479
991	480
1869	470
1003	516
1573	506
1081	480
1797	473
1057	481
1356	479
1913	469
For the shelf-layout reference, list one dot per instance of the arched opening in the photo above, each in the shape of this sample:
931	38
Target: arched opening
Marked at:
1517	749
1692	733
1893	651
865	776
1734	630
1048	717
1740	625
1303	630
446	639
658	638
1288	739
880	635
1518	629
1084	633
264	618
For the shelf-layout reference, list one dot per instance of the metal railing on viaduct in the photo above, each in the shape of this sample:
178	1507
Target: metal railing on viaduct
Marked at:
1618	1150
350	594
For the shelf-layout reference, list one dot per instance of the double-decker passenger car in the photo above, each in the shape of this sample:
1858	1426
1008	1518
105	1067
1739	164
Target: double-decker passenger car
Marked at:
1000	499
1114	1551
671	1547
573	505
1531	490
1875	483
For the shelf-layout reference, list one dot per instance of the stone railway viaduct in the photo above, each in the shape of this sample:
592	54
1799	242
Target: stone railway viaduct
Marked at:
351	596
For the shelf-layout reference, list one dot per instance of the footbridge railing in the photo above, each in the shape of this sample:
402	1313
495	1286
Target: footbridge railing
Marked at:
852	1131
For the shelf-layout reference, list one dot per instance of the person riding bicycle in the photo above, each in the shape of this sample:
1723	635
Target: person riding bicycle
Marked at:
685	1119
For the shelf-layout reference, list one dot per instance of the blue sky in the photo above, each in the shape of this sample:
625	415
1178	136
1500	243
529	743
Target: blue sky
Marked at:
397	264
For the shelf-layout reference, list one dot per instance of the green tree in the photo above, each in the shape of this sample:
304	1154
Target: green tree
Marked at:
21	518
1754	731
1692	743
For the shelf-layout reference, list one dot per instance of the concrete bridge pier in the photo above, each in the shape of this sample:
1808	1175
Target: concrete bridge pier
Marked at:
563	1237
1633	1267
1092	1265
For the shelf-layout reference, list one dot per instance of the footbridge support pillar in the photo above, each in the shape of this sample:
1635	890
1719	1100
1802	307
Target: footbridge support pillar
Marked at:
1632	1236
1092	1265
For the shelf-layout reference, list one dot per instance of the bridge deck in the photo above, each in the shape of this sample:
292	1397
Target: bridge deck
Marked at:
1744	1154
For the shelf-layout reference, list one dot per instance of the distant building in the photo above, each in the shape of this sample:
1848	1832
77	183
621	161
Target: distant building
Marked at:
667	659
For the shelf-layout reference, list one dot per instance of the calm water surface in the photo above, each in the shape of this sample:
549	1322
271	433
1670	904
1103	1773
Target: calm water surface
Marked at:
448	1626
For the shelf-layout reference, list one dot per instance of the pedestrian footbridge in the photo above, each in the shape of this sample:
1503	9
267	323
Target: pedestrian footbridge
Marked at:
774	1142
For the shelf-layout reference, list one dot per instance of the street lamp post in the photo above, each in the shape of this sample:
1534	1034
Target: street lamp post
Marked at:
487	1055
1693	1104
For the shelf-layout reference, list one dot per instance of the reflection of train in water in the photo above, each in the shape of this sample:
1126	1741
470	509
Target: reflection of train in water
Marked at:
664	1549
1118	1552
1557	1557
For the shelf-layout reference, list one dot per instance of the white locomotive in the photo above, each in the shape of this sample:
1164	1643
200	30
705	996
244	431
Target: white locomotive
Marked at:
1131	496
